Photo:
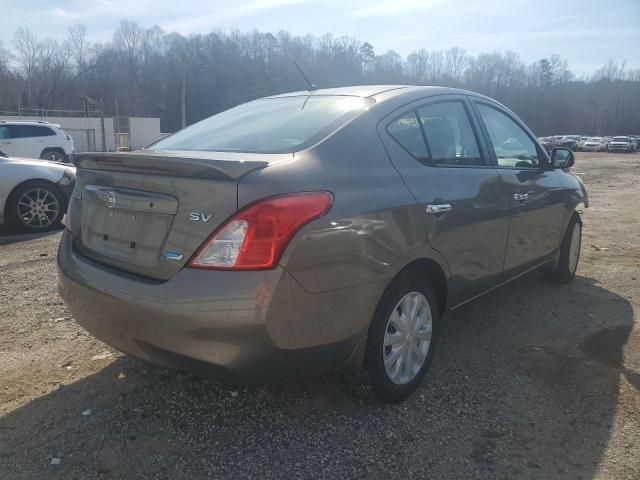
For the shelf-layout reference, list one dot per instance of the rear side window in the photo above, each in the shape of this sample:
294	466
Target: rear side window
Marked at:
45	132
269	125
449	135
512	146
29	131
406	131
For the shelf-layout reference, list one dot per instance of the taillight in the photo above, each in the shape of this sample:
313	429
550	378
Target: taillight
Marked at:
255	237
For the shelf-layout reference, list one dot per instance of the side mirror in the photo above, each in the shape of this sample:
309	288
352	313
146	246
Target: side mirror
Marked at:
562	158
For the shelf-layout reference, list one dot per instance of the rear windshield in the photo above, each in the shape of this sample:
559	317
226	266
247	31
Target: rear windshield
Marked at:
269	125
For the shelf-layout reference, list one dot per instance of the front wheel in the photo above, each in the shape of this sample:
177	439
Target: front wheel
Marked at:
563	268
401	339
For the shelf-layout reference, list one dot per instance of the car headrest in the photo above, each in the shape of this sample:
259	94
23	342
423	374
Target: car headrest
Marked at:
441	138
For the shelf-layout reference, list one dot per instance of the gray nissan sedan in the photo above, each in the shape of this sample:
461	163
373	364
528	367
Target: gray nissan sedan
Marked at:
326	229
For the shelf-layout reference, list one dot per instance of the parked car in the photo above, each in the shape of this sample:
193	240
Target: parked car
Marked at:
548	143
570	142
315	230
593	144
35	140
34	194
620	144
582	140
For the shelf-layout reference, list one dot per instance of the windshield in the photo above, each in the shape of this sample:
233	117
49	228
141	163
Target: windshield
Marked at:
595	139
269	125
620	139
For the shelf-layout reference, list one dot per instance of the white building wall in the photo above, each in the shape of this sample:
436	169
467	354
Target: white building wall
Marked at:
143	131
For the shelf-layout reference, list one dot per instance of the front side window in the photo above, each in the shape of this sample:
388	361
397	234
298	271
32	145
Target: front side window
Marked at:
269	125
512	146
4	133
406	131
449	135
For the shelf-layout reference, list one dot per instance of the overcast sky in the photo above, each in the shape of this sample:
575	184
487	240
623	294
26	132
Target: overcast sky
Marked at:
586	32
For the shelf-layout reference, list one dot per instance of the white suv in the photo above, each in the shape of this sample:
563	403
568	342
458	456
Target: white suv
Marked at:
35	140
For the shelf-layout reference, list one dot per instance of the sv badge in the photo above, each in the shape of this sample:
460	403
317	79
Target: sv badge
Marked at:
199	217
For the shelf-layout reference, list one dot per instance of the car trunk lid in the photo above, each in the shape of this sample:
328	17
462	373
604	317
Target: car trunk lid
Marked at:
147	212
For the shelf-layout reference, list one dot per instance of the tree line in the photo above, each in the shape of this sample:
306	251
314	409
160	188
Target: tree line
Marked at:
182	79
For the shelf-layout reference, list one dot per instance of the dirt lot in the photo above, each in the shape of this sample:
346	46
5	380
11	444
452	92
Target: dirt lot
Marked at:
533	381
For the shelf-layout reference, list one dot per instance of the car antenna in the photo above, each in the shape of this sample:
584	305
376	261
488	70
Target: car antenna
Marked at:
311	86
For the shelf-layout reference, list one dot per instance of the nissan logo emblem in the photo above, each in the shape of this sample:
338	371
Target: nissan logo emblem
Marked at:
111	200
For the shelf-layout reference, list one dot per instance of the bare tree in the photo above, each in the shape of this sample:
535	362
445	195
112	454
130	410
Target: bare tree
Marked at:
456	62
150	72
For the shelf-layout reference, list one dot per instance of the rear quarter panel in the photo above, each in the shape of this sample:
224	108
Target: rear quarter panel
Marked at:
373	228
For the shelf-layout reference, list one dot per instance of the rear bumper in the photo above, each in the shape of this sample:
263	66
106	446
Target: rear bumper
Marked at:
240	327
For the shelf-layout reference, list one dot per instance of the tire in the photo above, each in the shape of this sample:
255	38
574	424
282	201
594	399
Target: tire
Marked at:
23	211
53	155
563	267
375	377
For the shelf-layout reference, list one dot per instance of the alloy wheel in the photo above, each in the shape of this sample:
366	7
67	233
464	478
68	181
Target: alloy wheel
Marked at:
38	208
54	157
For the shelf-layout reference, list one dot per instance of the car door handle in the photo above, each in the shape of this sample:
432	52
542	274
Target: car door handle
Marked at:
436	209
521	197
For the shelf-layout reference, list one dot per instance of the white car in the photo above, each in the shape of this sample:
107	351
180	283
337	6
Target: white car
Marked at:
35	140
34	194
594	144
621	144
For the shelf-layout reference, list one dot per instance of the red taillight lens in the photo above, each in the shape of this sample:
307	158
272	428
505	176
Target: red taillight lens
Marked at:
255	237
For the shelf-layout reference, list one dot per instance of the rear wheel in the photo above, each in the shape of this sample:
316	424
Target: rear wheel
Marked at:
401	339
563	269
36	206
54	155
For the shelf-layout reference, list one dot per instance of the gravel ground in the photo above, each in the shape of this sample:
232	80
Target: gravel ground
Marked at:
532	381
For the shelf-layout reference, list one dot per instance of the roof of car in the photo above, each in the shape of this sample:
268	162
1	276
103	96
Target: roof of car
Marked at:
26	122
356	91
369	91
